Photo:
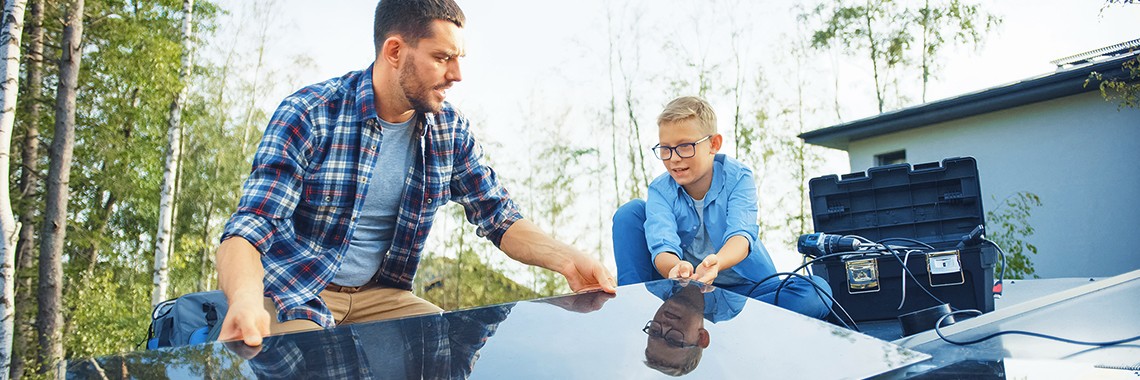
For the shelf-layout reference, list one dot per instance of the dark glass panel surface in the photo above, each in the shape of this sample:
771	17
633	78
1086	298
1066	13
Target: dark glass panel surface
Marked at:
701	332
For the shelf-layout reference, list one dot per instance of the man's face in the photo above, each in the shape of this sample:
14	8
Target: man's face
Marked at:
682	312
432	66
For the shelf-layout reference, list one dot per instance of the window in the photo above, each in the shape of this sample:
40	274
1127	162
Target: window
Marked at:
896	157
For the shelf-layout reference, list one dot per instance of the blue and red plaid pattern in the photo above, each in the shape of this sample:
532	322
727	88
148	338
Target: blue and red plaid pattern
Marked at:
310	174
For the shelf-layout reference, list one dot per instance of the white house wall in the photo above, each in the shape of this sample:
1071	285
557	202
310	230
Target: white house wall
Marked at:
1078	153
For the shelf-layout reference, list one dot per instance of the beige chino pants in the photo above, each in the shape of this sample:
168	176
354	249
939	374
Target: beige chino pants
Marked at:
356	304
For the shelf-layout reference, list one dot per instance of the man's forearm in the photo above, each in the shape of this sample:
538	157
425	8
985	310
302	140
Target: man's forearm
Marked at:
526	243
240	273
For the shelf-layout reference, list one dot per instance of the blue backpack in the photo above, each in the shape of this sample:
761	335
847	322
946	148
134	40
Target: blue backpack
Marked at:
190	319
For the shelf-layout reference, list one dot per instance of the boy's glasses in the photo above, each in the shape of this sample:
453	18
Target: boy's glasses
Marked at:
685	150
673	337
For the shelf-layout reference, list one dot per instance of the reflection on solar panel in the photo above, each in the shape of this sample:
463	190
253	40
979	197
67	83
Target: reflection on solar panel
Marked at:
648	330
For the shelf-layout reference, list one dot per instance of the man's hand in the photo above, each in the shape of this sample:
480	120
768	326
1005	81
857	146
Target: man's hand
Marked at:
246	321
707	271
240	276
585	273
526	243
682	270
582	302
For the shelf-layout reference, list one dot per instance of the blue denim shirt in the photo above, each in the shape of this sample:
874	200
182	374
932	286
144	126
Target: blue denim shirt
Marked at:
671	220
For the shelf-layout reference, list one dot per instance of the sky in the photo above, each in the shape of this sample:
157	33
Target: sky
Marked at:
550	56
516	43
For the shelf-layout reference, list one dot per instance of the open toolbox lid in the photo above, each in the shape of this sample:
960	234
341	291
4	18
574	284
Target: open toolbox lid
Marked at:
936	203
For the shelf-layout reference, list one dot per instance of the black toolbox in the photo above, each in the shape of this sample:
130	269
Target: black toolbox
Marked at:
935	203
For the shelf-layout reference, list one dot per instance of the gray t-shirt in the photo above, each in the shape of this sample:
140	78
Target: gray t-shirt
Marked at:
702	247
377	224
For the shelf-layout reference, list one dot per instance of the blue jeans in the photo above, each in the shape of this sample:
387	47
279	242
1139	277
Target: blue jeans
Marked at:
635	265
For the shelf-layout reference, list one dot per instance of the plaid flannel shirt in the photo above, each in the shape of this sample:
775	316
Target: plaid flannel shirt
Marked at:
310	174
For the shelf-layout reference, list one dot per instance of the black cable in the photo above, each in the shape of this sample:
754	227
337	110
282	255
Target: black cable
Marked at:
938	330
782	283
912	276
819	293
908	240
805	264
1001	277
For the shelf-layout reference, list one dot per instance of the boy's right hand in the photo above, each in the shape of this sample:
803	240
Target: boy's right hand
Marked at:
682	270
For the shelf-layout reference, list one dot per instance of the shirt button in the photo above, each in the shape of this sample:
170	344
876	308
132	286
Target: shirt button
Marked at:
328	199
429	201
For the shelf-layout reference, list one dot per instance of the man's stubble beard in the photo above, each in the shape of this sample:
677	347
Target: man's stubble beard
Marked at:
415	91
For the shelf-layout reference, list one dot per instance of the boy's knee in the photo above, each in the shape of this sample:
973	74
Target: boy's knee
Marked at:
822	305
631	212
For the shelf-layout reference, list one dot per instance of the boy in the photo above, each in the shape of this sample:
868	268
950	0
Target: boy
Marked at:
699	221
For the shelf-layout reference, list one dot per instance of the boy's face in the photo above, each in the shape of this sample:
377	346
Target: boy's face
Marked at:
693	173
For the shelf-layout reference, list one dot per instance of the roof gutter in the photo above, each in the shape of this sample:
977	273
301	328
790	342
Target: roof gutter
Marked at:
1050	86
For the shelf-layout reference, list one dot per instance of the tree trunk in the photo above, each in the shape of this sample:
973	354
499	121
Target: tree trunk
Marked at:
174	152
29	181
50	319
10	35
868	18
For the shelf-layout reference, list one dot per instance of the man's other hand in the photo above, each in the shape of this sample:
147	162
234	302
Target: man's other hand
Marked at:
585	273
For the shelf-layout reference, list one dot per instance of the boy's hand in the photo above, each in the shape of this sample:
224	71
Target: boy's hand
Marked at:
682	270
707	271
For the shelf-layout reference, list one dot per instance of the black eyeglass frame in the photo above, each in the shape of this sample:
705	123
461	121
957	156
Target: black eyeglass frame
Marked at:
664	334
677	149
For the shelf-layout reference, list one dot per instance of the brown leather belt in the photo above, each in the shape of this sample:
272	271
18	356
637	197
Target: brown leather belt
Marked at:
344	289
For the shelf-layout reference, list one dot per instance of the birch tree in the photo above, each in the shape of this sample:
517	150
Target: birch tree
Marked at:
10	67
29	182
174	151
50	318
963	23
876	28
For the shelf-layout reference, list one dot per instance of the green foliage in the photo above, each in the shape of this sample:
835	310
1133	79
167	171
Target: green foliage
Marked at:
877	28
108	312
885	32
1125	91
963	23
129	75
458	284
1009	227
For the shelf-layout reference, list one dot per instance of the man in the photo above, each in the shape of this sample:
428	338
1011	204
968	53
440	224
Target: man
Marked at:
346	183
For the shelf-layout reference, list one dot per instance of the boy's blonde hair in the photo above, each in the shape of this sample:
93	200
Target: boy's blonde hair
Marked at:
690	107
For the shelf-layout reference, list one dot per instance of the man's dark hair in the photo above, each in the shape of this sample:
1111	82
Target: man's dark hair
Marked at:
411	19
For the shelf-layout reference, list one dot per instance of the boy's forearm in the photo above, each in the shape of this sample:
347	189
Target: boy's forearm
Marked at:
664	262
733	252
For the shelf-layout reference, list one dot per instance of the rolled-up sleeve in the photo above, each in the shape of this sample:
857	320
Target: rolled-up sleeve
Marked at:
270	194
742	210
661	224
474	185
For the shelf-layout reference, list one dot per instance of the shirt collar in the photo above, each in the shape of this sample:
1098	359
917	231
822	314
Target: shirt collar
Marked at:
714	187
366	95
